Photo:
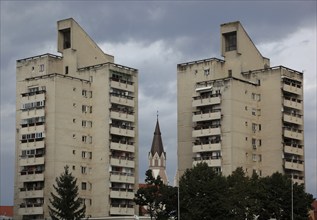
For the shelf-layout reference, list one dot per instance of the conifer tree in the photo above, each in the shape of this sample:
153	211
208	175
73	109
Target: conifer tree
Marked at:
66	205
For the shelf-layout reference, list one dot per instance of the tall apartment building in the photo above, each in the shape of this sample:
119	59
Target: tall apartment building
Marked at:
81	110
240	112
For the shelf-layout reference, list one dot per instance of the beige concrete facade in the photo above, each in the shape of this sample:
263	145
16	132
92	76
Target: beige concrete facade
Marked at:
240	111
81	110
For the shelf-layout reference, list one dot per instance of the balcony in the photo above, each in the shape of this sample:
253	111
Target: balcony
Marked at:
121	194
121	210
122	100
121	84
206	147
292	88
33	113
33	98
122	131
299	166
288	148
206	116
122	116
293	103
122	162
211	161
122	147
119	177
33	129
31	193
206	101
32	145
293	118
293	133
34	160
31	177
206	131
31	209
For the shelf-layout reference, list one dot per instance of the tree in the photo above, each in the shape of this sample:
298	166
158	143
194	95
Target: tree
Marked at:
66	205
160	200
203	193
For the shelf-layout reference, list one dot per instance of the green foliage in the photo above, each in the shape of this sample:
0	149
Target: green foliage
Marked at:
160	200
66	205
205	194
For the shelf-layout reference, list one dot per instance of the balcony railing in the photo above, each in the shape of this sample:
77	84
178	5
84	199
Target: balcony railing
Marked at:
206	131
31	209
298	165
212	161
201	101
27	161
293	118
122	162
123	131
122	100
129	147
121	177
31	176
121	209
206	116
207	147
293	149
121	115
121	193
33	113
293	103
36	192
293	133
122	84
293	88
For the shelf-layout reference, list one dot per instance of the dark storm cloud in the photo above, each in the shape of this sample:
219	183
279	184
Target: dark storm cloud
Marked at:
150	36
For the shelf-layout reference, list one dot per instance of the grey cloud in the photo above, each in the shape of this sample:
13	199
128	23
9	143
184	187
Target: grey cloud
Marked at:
189	30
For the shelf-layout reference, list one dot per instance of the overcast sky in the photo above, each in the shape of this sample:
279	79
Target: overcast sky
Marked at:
154	37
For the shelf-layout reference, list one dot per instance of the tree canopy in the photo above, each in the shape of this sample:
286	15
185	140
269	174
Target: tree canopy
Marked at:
66	205
205	194
159	200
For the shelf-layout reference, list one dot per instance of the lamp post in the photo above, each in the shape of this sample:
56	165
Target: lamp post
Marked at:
178	204
292	198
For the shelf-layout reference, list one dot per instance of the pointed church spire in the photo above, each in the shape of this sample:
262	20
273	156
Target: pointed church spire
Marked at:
157	156
157	144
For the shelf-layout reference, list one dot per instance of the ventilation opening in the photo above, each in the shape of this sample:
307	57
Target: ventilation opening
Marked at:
230	41
66	38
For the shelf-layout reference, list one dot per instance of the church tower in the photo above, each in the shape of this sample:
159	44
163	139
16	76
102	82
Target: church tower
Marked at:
157	156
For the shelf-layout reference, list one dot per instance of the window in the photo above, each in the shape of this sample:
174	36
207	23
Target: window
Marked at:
254	111
230	73
230	41
74	120
42	68
83	185
254	157
66	38
206	71
84	138
66	69
254	143
84	170
74	151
